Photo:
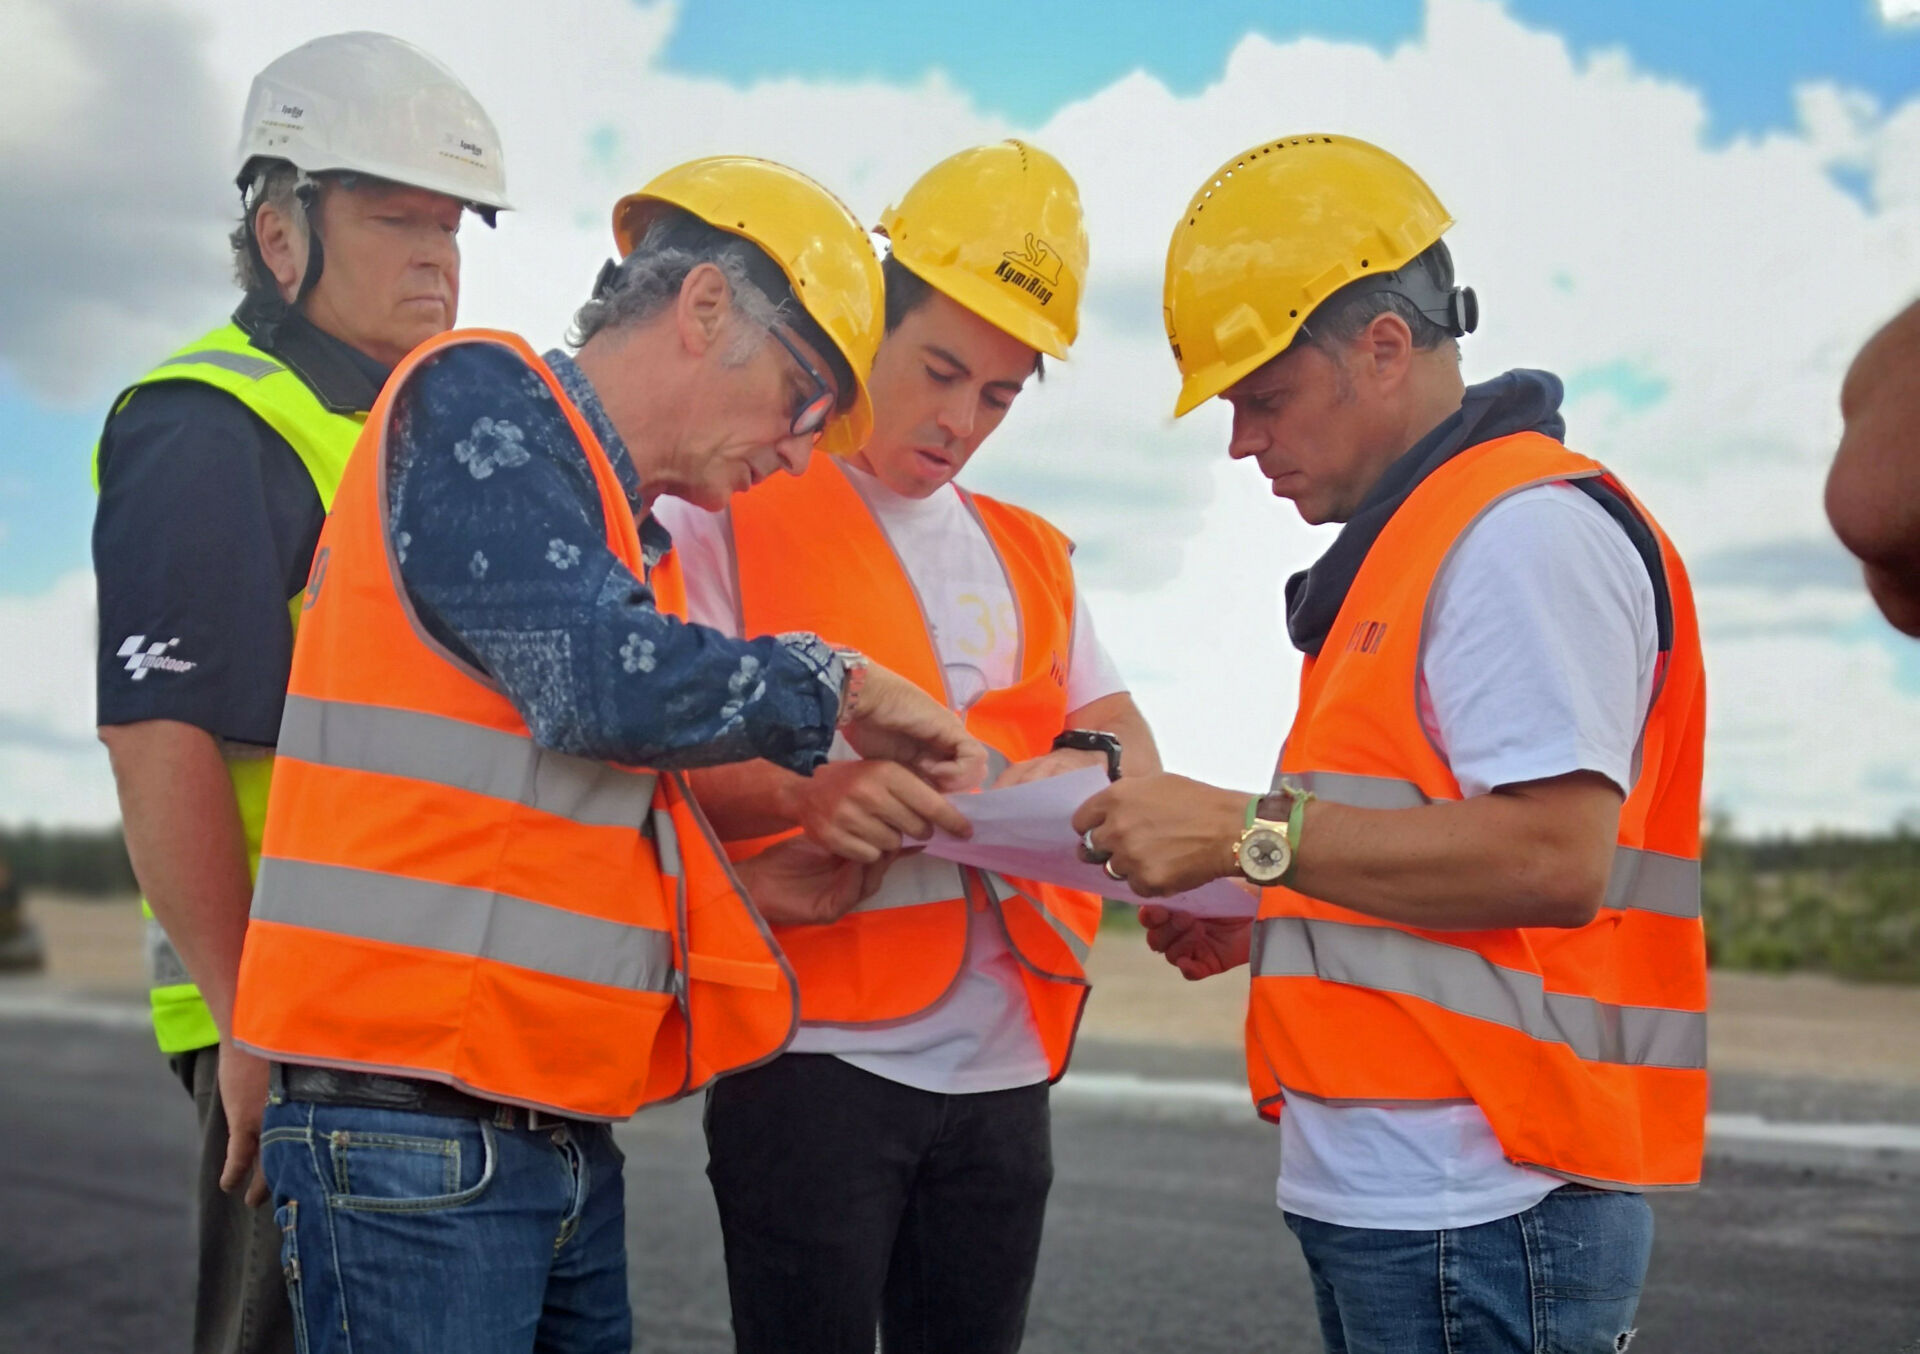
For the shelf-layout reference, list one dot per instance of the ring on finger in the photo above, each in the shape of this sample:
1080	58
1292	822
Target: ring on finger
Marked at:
1092	854
1112	873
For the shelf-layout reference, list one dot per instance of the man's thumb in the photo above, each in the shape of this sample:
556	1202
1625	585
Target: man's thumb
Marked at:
242	1146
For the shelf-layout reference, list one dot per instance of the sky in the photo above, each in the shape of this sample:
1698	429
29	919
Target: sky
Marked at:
1694	220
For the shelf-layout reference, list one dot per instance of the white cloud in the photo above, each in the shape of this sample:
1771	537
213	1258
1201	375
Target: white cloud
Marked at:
1900	11
1604	236
51	768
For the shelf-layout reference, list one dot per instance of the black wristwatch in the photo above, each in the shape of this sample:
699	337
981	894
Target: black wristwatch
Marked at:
1093	740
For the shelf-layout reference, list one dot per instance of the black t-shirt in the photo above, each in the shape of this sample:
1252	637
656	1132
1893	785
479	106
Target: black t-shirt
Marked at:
205	529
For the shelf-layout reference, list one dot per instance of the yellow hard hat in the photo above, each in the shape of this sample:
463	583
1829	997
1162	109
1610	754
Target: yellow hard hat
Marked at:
827	257
1273	233
998	229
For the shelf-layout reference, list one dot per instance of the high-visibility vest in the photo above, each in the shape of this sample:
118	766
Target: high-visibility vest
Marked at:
441	897
1585	1047
810	556
227	360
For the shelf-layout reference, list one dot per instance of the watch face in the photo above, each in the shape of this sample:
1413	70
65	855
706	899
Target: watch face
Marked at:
1264	855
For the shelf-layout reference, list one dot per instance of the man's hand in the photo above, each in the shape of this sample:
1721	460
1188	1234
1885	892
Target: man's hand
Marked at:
1163	833
243	1096
1199	947
865	810
796	883
1056	763
896	720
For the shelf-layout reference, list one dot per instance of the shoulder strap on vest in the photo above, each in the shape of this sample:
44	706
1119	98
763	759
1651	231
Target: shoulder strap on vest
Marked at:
1626	514
226	359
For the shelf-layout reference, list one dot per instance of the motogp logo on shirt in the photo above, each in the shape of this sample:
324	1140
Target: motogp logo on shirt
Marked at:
142	658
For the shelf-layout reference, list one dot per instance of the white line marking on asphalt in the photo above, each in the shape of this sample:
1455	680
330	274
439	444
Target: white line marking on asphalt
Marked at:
1208	1099
1743	1134
59	1006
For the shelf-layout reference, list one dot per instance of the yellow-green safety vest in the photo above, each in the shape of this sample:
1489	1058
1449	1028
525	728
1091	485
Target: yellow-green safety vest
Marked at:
227	360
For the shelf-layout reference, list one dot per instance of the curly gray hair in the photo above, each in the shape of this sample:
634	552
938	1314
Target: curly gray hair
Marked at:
648	281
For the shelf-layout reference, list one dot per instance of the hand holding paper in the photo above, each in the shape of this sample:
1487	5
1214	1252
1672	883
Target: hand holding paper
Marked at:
1027	831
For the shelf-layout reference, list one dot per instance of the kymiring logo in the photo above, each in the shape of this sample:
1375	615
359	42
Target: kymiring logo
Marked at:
142	658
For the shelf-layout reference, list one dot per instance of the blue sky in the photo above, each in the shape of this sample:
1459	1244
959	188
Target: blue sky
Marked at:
1024	59
46	492
1618	273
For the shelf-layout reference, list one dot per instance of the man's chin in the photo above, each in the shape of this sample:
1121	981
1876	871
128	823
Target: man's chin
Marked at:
411	335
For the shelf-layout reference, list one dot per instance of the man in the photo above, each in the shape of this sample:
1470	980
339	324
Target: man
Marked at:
1479	979
481	932
215	470
1873	489
891	1169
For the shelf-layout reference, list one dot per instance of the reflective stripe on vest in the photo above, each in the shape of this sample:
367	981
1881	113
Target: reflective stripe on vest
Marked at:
1004	888
1649	881
253	368
913	880
1584	1046
440	897
1459	980
226	359
474	923
463	756
898	953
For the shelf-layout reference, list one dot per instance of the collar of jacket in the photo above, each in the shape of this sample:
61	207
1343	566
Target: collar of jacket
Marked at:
341	377
655	540
1517	401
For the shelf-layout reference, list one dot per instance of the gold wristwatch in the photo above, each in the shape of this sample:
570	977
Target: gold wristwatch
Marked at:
1264	853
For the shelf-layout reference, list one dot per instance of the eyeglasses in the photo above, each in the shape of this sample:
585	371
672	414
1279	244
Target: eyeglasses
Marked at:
811	409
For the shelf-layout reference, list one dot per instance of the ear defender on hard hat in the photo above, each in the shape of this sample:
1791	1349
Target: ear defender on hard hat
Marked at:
998	229
1276	231
1427	283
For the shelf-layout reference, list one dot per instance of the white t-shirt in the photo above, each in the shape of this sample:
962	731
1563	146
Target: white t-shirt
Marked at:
1538	661
980	1036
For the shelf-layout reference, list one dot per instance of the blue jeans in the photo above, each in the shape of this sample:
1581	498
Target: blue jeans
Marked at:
1561	1278
403	1231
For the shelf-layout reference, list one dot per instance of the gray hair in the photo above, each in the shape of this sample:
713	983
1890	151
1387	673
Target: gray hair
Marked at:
648	281
277	183
1342	317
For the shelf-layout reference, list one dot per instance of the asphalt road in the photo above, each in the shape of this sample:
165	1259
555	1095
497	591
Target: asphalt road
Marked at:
1162	1233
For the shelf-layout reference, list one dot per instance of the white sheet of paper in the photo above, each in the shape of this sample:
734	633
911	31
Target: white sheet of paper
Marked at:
1028	831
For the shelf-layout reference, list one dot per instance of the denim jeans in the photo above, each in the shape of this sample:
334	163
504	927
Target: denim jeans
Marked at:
849	1202
1561	1278
404	1232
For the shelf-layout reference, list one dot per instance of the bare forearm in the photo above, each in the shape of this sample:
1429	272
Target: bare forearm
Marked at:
188	850
1119	716
1496	860
747	799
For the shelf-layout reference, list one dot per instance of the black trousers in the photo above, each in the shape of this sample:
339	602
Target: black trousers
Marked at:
850	1203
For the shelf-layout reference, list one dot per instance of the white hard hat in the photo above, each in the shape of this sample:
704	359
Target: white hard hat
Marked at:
367	103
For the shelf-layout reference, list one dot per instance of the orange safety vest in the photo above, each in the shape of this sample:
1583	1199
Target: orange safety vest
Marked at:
441	897
1585	1047
810	556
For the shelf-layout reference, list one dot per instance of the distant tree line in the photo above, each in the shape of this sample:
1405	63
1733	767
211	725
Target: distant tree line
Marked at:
1847	904
68	860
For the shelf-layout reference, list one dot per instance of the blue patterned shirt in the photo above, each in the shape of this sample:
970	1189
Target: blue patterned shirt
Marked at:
496	523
